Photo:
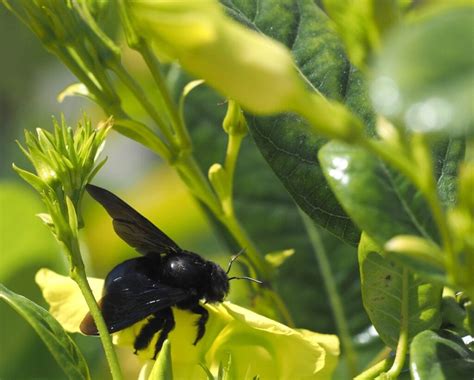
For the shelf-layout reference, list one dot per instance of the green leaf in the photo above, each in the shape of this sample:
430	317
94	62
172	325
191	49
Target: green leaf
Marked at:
61	346
162	369
449	154
454	316
382	295
286	141
424	75
361	24
440	356
382	202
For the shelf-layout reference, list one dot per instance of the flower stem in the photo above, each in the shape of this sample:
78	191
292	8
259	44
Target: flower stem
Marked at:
402	346
178	124
374	371
334	298
137	91
78	274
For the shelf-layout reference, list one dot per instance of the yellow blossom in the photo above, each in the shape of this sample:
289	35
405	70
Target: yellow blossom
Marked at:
257	345
254	70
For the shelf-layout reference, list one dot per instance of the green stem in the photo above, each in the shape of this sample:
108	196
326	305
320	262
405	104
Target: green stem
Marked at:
193	177
374	371
86	78
233	147
78	274
178	124
137	91
402	346
334	298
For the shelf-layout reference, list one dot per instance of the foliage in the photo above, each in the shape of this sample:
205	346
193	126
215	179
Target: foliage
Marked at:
362	112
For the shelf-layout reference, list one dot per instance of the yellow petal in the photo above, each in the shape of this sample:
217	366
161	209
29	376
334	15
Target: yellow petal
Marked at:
257	345
272	350
64	297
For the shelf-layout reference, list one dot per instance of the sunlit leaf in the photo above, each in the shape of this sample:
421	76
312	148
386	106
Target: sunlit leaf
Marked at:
440	356
382	284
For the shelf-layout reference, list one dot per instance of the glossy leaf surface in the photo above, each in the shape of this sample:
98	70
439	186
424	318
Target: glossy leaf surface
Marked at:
440	356
382	202
286	141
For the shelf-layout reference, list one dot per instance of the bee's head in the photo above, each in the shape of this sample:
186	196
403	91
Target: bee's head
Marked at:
218	284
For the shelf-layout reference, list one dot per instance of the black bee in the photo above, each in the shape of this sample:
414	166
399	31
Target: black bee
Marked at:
146	286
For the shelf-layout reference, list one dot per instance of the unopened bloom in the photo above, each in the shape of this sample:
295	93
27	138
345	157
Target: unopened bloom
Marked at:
64	161
257	345
254	70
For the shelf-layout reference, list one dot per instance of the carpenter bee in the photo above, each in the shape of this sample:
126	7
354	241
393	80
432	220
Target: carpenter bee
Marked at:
149	286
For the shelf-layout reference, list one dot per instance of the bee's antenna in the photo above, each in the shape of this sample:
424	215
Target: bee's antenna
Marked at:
246	278
233	259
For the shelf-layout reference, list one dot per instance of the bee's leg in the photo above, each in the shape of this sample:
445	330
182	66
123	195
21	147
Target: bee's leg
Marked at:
155	324
168	325
201	322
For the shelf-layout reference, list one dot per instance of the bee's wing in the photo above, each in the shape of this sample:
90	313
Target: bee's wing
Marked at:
131	226
130	301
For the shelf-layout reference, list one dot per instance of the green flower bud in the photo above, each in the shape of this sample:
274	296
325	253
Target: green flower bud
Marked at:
220	183
64	162
234	121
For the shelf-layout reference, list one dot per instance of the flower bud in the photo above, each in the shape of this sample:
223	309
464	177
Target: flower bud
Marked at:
234	121
254	70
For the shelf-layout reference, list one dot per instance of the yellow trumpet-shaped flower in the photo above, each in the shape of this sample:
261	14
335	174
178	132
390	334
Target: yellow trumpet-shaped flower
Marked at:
257	345
254	70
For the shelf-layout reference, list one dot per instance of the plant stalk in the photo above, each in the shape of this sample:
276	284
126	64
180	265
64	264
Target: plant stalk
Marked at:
374	371
402	346
78	274
334	298
180	129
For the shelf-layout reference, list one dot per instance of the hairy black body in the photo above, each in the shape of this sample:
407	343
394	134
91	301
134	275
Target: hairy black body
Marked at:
149	286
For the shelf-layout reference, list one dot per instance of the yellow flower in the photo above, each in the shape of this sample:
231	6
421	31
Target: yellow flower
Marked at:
257	345
246	66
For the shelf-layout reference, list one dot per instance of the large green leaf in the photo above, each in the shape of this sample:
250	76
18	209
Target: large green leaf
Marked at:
382	284
383	202
440	356
61	346
286	141
424	76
